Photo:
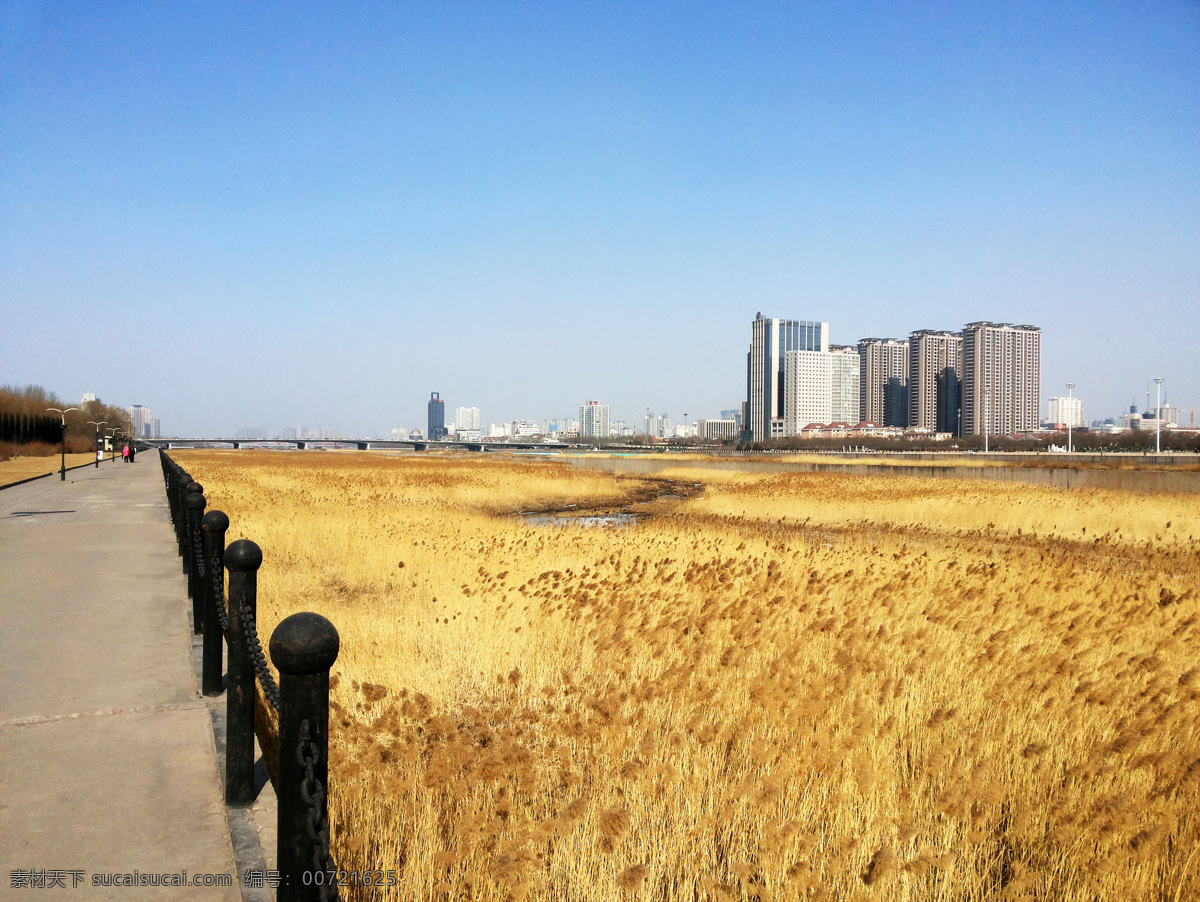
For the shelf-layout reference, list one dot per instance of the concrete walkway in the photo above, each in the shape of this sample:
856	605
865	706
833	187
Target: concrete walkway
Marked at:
108	763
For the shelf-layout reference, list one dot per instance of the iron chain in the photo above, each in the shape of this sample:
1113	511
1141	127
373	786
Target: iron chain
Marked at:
218	591
254	648
198	550
313	794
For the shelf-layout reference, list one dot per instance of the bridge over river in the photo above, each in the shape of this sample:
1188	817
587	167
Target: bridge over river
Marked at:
362	444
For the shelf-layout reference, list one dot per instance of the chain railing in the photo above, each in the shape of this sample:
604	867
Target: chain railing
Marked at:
303	648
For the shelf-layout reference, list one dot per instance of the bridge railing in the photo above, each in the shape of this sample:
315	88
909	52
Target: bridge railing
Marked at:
291	718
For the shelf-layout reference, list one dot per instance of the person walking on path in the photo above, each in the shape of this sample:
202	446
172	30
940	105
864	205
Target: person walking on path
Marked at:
132	453
125	454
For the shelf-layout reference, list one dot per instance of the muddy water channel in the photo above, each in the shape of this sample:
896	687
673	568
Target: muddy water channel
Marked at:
646	503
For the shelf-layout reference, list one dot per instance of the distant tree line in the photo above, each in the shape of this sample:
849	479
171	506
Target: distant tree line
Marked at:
28	429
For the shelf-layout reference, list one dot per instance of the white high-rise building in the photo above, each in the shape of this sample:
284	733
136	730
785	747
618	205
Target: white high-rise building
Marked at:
1066	412
593	420
466	418
808	390
770	341
844	384
1002	378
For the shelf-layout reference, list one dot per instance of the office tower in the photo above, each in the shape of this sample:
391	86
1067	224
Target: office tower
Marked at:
883	381
437	418
593	420
1066	412
845	384
770	341
141	421
935	367
1001	378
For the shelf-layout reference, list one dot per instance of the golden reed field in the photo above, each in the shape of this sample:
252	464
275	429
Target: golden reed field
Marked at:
800	686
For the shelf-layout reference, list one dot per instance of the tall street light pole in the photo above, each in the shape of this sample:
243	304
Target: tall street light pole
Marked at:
1070	416
98	425
1158	420
62	472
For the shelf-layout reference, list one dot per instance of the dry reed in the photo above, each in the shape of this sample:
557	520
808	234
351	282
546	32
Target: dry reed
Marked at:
797	686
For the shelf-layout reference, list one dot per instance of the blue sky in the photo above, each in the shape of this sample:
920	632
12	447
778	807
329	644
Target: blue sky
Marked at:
272	214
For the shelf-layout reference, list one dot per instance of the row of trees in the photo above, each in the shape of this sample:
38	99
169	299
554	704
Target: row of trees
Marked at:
27	427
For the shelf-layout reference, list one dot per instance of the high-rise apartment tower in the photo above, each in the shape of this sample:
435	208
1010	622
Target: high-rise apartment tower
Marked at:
883	381
1002	378
935	366
770	341
593	420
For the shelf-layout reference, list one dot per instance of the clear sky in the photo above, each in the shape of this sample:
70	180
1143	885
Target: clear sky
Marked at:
279	214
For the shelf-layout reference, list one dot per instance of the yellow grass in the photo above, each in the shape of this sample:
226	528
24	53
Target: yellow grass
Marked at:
797	686
17	468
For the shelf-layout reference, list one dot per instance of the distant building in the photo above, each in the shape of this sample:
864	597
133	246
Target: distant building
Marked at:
717	430
845	382
1168	415
808	391
883	381
437	418
524	429
658	425
1066	412
466	418
1001	378
143	422
593	420
770	341
935	366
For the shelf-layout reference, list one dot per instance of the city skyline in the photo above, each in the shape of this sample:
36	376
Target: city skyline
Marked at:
234	217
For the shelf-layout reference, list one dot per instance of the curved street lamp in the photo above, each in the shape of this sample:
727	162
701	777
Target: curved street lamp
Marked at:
62	473
98	425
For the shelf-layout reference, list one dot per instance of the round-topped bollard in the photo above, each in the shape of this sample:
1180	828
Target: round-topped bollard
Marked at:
214	521
194	505
303	647
304	643
242	560
243	556
213	525
194	488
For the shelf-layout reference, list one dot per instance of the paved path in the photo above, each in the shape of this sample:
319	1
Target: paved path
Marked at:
107	757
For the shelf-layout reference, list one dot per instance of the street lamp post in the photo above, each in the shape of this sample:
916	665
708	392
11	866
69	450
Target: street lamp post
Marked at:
1070	417
62	473
1158	420
98	425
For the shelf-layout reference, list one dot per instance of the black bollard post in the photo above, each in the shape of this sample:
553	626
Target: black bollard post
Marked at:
179	488
242	560
195	558
303	648
187	487
213	524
